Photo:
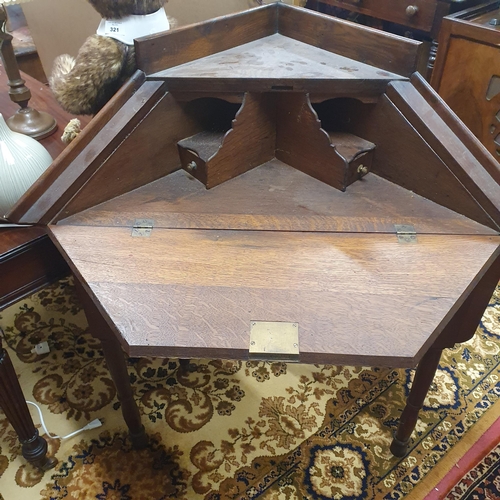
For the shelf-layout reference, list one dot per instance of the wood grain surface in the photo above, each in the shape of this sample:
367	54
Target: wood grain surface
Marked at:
158	52
469	66
249	142
134	128
278	197
27	210
459	127
145	153
28	262
276	63
358	298
393	10
405	158
303	144
371	46
459	160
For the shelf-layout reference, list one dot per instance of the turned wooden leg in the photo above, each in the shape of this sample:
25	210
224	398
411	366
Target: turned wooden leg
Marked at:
423	378
117	366
12	402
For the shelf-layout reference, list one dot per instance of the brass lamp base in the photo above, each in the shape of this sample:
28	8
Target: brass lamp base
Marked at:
29	121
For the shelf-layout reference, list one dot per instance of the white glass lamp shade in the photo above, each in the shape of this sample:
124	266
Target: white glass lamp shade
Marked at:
22	161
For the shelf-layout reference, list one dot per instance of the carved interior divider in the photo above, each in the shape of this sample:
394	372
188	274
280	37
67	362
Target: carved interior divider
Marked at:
215	156
334	157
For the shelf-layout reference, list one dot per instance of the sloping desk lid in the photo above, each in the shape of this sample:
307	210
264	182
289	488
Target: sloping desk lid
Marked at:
276	245
274	240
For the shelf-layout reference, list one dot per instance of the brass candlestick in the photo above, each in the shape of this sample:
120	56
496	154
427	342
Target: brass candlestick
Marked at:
26	120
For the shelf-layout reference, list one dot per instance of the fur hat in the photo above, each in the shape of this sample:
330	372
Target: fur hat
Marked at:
82	86
116	9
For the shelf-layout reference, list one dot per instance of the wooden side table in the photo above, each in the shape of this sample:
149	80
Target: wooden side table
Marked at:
28	262
467	72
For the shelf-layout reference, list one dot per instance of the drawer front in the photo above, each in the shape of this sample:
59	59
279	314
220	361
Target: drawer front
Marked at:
416	14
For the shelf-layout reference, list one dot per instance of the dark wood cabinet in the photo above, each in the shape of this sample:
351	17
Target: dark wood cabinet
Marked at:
418	19
467	72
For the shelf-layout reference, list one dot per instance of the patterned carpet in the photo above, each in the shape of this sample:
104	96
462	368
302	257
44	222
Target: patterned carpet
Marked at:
230	429
482	481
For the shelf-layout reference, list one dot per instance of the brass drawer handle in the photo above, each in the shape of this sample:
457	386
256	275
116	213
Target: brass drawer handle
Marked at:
411	10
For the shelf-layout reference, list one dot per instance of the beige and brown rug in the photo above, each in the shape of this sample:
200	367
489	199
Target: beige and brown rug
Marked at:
236	430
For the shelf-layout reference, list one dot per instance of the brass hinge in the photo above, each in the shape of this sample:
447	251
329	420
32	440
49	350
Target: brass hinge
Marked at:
142	228
274	341
406	233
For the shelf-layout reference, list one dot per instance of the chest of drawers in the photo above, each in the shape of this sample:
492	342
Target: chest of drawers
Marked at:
419	19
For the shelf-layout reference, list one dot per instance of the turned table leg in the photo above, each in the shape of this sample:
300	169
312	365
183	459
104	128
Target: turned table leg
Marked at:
12	402
423	379
117	366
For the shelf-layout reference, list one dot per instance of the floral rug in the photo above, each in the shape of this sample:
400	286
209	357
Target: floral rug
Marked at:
482	481
230	429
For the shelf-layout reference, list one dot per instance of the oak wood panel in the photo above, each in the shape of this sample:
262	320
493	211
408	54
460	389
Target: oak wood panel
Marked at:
60	189
201	146
363	89
472	23
370	46
276	196
23	210
148	152
167	297
303	144
464	165
458	127
249	143
463	325
405	158
276	63
182	45
15	237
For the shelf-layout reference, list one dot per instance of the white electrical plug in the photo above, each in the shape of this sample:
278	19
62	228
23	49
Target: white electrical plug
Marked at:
41	348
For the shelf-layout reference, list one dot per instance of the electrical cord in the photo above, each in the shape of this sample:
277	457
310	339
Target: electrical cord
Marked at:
91	425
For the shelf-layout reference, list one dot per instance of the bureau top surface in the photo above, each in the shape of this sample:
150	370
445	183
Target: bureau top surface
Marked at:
277	58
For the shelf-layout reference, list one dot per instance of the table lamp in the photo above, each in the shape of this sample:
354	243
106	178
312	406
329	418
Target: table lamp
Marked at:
26	120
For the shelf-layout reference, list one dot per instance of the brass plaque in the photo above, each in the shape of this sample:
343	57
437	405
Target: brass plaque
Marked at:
274	341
